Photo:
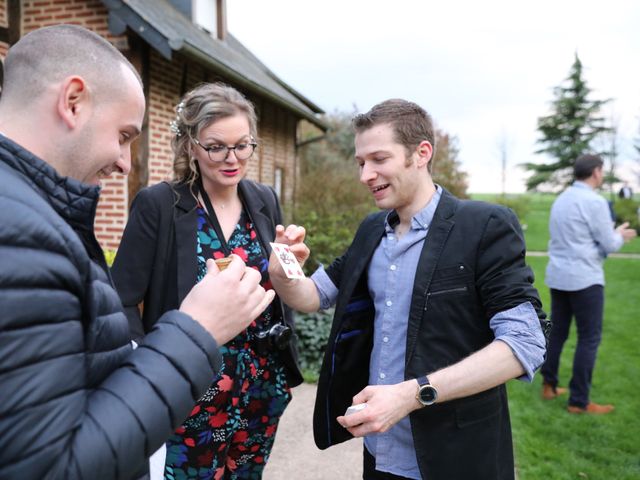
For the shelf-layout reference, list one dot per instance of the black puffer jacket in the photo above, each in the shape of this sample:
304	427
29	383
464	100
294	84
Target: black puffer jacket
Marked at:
75	400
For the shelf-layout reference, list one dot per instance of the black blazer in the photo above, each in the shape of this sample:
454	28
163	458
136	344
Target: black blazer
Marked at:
472	266
156	262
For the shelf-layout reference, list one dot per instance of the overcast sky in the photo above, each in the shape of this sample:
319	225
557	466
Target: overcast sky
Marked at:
485	70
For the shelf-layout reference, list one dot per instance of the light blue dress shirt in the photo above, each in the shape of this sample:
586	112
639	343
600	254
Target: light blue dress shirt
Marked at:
582	235
391	273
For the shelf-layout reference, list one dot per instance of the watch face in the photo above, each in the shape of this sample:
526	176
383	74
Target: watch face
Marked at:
428	395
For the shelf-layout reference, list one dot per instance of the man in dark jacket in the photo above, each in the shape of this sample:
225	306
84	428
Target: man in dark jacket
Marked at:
76	401
435	310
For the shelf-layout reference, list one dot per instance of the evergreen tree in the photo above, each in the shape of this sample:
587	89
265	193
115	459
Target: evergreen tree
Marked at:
568	131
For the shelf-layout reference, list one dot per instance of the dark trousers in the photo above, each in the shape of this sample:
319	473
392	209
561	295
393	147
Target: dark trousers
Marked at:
369	471
587	307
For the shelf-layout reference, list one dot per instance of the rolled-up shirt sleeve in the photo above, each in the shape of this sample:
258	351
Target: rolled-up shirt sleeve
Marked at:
519	327
327	291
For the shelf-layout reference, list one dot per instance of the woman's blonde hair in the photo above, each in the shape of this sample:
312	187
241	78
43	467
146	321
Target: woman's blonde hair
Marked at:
198	109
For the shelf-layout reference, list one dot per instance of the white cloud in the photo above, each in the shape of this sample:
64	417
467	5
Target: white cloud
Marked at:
482	69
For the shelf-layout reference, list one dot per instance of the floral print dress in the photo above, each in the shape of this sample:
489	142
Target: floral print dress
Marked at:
231	429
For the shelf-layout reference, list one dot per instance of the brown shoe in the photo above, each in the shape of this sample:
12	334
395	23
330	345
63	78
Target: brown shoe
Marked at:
549	392
591	408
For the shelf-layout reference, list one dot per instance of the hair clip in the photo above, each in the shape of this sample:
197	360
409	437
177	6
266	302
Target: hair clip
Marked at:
175	128
174	125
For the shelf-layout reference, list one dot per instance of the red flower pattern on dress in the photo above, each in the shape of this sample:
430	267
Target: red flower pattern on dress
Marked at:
219	419
232	427
241	436
225	383
241	252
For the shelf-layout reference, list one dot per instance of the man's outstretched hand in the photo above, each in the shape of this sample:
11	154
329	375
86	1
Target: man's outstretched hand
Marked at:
225	303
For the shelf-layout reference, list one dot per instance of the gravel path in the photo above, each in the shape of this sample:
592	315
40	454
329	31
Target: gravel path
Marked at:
295	455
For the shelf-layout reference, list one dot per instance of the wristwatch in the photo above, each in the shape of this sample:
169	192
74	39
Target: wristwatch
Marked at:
427	393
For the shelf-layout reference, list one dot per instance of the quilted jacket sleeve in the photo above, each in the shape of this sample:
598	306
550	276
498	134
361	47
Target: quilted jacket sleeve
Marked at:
75	401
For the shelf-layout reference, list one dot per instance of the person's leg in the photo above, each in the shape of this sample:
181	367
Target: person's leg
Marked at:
561	314
369	471
588	305
205	435
262	403
202	441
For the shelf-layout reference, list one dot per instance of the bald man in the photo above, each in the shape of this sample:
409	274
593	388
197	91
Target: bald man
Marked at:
76	401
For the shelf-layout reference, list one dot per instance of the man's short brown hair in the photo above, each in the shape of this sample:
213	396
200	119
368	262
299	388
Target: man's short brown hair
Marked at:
410	122
585	165
50	54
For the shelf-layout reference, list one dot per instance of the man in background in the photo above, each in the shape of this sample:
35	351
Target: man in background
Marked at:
625	192
582	235
75	400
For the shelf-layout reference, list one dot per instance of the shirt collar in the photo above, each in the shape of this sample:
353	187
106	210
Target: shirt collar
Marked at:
581	184
421	220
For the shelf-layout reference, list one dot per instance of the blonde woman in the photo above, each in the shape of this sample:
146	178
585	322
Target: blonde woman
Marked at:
211	211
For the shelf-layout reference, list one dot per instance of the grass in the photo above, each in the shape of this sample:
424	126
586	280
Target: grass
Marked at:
550	443
537	221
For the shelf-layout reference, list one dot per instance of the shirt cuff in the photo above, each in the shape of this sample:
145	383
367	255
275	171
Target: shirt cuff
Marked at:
519	327
327	291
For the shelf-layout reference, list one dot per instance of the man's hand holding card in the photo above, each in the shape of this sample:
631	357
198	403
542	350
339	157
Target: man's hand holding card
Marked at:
288	252
288	261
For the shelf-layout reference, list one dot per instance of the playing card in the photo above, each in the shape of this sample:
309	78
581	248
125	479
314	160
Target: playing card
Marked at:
287	260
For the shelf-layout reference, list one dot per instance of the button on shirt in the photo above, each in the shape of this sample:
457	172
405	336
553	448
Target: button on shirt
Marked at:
391	274
582	235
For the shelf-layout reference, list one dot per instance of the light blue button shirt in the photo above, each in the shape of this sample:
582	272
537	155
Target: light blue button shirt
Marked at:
582	235
391	273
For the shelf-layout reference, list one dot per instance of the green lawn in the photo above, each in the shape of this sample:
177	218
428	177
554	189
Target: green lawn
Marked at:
536	220
550	443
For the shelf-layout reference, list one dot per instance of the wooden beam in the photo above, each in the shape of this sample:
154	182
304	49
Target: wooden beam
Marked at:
221	19
15	20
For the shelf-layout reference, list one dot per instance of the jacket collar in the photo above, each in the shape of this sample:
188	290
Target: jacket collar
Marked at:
74	201
262	221
251	199
185	222
439	230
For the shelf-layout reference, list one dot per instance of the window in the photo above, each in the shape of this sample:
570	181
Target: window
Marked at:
204	14
277	181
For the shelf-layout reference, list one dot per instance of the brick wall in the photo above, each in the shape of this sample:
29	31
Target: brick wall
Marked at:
4	17
276	127
164	93
277	132
4	22
91	14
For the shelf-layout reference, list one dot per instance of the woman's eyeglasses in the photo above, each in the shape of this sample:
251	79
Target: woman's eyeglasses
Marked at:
219	153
